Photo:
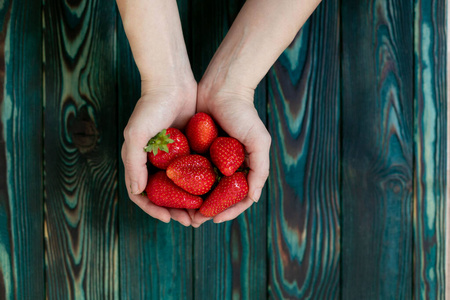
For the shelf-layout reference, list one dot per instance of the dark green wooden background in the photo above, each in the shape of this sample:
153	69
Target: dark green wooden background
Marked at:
354	207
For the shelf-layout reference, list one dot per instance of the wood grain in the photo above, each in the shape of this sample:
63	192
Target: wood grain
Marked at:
80	149
447	227
230	258
156	260
430	147
21	182
377	157
303	213
355	205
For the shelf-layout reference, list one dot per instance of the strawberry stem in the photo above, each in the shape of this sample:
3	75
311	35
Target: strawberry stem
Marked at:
159	142
218	174
243	170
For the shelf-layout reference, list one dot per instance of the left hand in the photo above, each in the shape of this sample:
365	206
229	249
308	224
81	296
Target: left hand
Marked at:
159	108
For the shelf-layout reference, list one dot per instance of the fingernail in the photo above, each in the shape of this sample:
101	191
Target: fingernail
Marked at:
256	195
134	188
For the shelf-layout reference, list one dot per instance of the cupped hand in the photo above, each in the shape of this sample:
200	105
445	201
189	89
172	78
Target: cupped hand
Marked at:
232	108
159	107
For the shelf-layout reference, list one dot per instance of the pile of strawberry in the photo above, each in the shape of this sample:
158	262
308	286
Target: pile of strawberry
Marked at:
214	169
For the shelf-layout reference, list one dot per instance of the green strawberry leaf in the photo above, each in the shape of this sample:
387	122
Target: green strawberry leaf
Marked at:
159	142
165	148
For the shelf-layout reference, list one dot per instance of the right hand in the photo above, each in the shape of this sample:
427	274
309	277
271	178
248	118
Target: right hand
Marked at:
158	108
231	105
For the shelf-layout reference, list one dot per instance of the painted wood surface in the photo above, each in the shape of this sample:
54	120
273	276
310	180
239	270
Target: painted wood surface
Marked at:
230	258
156	260
303	218
80	150
355	204
430	145
447	221
377	149
21	181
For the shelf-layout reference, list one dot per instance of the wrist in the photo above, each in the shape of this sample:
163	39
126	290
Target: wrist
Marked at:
232	66
169	65
173	85
212	90
154	31
246	53
259	34
171	78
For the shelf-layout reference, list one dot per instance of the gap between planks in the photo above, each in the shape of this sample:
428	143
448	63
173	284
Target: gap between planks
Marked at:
447	252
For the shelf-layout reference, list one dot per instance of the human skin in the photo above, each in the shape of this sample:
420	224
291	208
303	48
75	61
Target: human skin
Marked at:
170	95
260	33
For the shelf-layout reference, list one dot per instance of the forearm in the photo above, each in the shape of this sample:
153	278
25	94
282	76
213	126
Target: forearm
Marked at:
260	33
153	29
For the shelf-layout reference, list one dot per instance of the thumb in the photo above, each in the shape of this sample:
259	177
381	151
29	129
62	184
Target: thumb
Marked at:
145	122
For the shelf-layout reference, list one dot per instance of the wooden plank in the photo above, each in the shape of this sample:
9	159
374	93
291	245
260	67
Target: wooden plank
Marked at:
155	258
230	258
377	157
430	147
447	227
303	218
21	182
80	149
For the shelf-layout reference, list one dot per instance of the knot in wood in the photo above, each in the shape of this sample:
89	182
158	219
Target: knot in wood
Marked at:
83	131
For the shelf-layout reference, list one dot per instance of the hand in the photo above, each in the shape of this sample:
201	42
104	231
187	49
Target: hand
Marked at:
158	108
232	107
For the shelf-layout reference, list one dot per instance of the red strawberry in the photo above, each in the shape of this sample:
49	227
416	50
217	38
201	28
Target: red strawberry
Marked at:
193	173
166	146
229	191
227	154
201	132
163	192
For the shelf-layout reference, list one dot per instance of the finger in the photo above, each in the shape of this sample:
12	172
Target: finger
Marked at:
143	177
150	208
234	211
258	148
140	129
191	213
127	177
181	216
199	219
143	202
135	163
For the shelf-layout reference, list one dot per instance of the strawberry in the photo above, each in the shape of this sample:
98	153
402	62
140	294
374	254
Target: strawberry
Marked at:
193	173
166	146
229	191
201	131
163	192
227	154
